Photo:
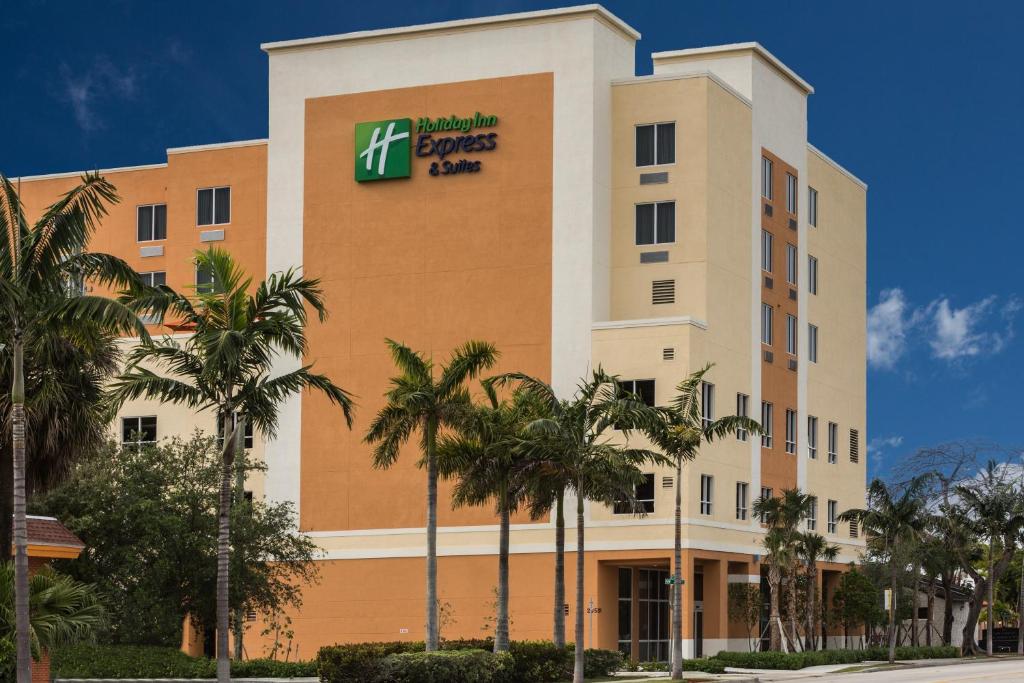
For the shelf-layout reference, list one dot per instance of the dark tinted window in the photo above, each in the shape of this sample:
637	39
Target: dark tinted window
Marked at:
645	145
160	222
645	223
666	147
222	205
145	226
204	207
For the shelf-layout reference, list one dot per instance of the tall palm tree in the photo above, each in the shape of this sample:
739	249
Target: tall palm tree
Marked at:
420	401
813	548
893	521
679	432
485	456
575	441
36	263
782	515
225	367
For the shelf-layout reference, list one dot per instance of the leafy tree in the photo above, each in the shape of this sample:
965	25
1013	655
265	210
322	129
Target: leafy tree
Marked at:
572	446
745	607
856	603
38	265
419	401
225	367
149	519
679	431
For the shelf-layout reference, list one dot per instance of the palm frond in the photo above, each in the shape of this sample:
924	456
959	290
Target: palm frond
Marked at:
466	363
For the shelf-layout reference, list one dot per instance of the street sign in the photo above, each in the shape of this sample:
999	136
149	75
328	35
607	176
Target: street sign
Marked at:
671	580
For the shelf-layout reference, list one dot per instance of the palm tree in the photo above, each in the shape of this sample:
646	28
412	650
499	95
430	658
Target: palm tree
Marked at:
679	432
63	611
225	367
419	401
782	515
36	263
573	443
893	521
484	455
813	548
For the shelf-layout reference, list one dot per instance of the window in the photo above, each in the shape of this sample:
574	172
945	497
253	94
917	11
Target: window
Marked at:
742	407
706	491
812	343
812	206
812	437
790	193
213	206
625	611
643	495
812	513
766	492
234	421
766	178
766	424
707	403
152	222
833	442
642	388
741	500
656	223
138	430
854	446
790	334
766	251
791	256
831	508
766	323
812	275
791	431
655	144
206	282
154	278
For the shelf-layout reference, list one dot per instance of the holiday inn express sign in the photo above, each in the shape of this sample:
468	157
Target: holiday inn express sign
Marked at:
384	149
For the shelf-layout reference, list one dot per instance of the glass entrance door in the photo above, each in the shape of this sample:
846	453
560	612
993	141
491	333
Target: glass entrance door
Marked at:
655	623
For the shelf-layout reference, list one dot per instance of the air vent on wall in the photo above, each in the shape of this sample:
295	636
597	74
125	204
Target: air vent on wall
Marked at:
768	282
668	353
767	209
654	257
853	529
792	294
769	356
792	224
854	446
653	178
666	482
663	292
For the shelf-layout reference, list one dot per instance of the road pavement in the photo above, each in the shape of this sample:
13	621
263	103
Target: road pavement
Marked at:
981	671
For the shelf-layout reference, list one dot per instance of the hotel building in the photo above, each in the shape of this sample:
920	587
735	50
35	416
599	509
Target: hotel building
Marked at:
512	179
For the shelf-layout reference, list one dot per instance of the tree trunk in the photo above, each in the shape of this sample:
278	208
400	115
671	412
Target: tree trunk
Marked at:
558	637
677	582
892	614
812	580
577	673
224	553
929	624
23	643
991	602
913	607
947	610
240	498
501	628
792	611
970	645
775	633
1020	612
6	501
431	598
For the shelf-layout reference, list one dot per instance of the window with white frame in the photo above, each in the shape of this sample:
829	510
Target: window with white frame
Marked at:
655	223
812	343
812	513
247	438
812	206
643	495
213	206
707	403
655	144
766	424
812	437
154	278
767	191
706	492
790	193
151	222
641	388
832	509
766	492
742	410
138	430
833	442
812	274
766	324
791	431
791	334
206	280
767	240
791	257
741	500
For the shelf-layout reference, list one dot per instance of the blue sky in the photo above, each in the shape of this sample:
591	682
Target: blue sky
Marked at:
922	100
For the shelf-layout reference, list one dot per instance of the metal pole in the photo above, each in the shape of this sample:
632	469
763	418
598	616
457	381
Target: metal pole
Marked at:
590	610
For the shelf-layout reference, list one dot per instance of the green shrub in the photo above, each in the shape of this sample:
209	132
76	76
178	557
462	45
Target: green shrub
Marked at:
707	666
151	661
271	668
800	660
600	662
357	662
445	666
540	661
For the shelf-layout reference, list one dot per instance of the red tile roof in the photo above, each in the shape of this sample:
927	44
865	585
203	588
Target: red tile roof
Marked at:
48	531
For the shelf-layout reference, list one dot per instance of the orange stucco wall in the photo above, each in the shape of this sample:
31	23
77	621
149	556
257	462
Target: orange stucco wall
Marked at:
422	260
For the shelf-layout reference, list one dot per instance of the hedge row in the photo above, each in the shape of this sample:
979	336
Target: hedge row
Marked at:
147	661
800	660
526	662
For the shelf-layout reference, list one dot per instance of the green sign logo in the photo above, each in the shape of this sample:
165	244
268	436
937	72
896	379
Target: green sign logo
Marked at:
383	149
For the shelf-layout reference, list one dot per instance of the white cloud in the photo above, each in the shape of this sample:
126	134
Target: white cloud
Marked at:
102	80
882	442
953	334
